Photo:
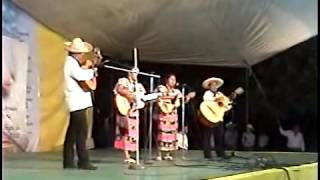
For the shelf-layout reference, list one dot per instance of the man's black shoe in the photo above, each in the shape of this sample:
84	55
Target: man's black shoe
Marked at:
207	156
225	156
72	166
87	167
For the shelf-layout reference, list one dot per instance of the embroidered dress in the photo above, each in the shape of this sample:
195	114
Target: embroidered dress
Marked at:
126	126
167	126
126	131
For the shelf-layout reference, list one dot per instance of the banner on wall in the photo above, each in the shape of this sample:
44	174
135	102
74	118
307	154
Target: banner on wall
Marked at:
49	110
17	124
32	106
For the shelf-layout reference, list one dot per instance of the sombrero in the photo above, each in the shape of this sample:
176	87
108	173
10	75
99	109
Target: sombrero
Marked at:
206	83
78	46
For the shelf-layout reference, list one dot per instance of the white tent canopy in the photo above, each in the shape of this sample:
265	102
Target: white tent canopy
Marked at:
202	32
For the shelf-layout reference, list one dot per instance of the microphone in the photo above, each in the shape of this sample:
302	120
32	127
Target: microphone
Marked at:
101	64
181	85
105	61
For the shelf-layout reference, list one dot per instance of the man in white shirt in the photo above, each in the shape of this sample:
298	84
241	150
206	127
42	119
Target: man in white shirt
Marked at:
78	101
295	141
212	84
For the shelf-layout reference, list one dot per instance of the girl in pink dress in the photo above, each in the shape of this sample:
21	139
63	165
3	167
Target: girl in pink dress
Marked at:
126	125
168	121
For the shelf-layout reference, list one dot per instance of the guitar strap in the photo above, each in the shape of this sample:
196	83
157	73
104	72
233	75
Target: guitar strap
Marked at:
134	86
214	93
76	60
79	66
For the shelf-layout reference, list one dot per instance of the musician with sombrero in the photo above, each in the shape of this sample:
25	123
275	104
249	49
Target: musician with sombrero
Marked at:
217	129
78	101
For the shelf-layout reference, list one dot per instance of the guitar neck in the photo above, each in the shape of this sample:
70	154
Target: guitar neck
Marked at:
231	97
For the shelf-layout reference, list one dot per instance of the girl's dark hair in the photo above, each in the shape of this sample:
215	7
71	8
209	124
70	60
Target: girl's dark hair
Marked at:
167	76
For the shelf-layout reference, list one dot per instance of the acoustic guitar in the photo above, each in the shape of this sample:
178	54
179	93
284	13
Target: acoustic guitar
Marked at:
91	85
167	106
124	105
212	112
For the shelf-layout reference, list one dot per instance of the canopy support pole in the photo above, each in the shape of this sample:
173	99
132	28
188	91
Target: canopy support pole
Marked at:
249	73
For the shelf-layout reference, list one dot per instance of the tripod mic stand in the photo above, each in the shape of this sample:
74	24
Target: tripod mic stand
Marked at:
183	123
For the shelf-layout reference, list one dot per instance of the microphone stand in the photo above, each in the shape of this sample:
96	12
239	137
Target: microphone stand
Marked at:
183	120
149	159
137	165
128	70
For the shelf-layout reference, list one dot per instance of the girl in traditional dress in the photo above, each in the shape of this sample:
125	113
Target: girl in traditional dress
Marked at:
167	118
126	125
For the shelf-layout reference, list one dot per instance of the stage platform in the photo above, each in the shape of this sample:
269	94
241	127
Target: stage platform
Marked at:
244	165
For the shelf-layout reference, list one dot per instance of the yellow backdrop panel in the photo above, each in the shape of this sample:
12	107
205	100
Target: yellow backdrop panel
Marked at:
53	109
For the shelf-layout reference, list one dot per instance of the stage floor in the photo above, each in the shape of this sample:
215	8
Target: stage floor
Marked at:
48	166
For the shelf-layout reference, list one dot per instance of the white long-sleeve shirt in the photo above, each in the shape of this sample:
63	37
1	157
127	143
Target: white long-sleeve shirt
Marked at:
294	141
210	96
76	97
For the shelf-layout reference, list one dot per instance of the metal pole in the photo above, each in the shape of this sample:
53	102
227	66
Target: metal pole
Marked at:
247	95
135	54
150	119
128	70
183	119
145	135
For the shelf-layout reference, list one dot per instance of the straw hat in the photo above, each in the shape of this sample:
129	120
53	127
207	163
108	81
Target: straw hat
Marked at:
206	83
78	46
